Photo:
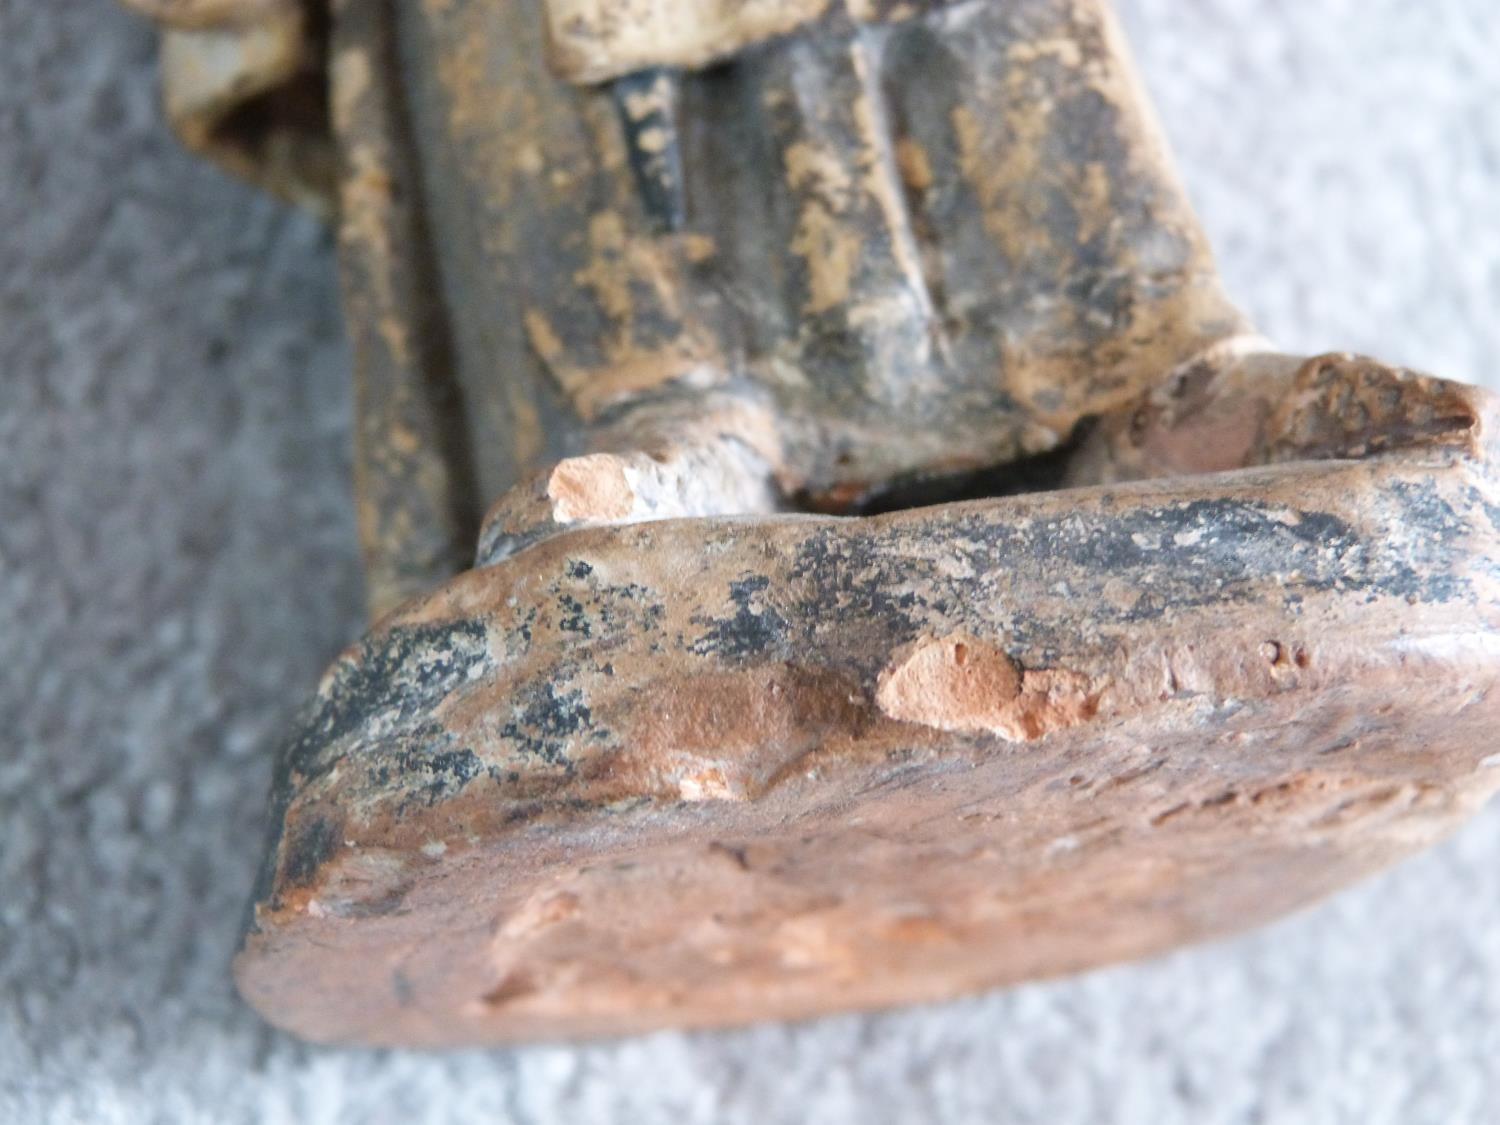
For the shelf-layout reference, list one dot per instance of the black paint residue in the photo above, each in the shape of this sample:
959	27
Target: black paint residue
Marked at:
755	629
548	720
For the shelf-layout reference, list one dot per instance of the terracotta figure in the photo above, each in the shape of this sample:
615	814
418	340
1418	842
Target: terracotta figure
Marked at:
831	540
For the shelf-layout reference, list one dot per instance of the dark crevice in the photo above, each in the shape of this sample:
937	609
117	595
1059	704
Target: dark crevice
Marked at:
281	137
1042	472
466	506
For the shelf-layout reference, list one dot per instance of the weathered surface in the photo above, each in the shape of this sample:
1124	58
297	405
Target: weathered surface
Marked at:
417	503
1231	409
924	247
708	771
908	246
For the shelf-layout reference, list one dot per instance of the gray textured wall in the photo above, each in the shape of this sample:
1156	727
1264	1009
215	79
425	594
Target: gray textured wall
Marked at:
177	562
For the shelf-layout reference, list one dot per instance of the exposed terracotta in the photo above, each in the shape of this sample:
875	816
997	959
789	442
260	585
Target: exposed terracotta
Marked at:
834	544
960	683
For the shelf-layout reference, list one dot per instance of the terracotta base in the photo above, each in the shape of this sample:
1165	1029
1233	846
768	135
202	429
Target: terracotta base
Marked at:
710	771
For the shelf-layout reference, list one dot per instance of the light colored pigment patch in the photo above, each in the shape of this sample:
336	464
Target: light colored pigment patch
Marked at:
588	488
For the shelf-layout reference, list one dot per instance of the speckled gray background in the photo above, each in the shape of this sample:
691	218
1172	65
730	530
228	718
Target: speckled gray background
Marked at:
177	562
